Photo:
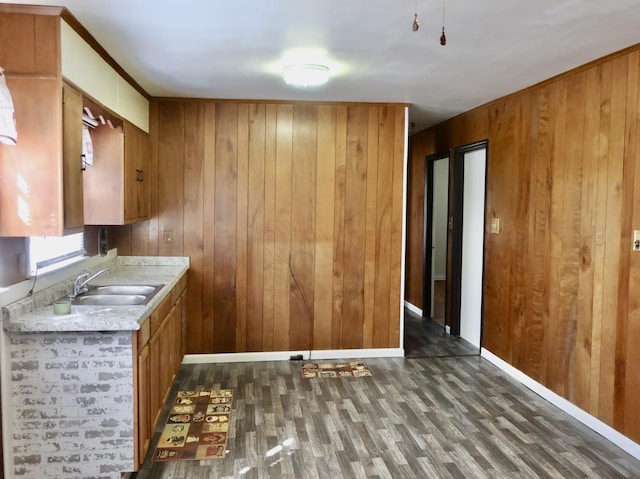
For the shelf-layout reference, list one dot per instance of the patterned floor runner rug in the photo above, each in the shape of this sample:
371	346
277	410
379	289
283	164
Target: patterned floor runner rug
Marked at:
197	426
335	370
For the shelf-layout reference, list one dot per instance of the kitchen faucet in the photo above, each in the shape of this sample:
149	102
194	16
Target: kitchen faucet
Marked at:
81	282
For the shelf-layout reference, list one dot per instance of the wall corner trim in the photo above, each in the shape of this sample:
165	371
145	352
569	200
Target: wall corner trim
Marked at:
593	423
285	355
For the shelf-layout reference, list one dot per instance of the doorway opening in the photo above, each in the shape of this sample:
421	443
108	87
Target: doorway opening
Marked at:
466	238
435	234
451	322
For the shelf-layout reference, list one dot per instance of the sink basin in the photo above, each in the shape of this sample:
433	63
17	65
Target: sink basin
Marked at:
124	289
110	300
118	295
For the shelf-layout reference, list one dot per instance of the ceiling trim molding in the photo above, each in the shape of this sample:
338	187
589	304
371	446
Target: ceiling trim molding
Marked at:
280	102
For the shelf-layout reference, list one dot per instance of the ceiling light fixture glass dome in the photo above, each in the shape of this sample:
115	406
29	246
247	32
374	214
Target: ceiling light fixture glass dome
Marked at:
306	74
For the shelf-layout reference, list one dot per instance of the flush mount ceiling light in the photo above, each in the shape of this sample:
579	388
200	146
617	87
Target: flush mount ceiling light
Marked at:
306	74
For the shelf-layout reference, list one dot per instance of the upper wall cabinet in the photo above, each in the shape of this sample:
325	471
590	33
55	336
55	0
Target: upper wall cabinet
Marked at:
115	188
41	179
31	183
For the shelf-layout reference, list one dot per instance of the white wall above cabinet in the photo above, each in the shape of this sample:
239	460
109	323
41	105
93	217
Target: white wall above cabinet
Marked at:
82	66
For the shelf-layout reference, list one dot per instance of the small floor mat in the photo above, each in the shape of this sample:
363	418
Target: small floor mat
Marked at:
335	370
197	426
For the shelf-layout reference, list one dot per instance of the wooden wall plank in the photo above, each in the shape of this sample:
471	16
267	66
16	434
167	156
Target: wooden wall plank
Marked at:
386	119
283	227
605	79
153	173
256	226
612	240
242	176
303	210
225	228
338	226
524	223
573	377
268	307
396	225
194	207
370	228
325	207
170	178
200	331
354	226
499	204
590	234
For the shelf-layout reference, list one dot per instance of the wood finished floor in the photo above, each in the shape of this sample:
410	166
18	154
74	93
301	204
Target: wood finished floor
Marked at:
415	418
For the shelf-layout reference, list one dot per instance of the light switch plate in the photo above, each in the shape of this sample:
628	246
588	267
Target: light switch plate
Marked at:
168	236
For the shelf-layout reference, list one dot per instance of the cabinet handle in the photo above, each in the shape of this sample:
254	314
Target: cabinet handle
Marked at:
83	162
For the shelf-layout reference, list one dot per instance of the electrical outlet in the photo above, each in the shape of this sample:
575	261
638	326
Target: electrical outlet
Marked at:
168	236
636	240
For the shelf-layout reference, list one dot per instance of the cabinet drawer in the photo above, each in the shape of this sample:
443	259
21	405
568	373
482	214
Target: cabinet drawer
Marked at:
160	313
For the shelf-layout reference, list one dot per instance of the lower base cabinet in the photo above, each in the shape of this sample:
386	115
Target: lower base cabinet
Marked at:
160	346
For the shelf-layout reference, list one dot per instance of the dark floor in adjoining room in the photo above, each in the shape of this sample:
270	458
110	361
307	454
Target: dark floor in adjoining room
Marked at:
415	418
424	337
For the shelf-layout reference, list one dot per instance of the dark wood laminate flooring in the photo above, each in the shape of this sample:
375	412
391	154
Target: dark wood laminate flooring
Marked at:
415	418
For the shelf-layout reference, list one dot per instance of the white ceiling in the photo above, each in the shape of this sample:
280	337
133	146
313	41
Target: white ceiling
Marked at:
236	48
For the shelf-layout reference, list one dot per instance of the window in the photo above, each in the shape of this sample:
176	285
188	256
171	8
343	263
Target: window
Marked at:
49	253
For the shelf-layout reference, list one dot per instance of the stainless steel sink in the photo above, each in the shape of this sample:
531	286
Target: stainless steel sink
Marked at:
124	289
109	300
118	295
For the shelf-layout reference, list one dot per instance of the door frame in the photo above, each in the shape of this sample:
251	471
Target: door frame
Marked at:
454	242
428	229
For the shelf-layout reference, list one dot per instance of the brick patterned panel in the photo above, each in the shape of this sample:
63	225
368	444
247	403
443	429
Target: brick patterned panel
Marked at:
72	395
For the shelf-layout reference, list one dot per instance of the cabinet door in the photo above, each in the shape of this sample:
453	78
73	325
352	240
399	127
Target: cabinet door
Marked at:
156	395
31	197
72	160
136	159
144	403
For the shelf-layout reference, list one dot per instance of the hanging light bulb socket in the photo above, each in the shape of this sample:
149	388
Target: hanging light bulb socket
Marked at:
443	37
416	23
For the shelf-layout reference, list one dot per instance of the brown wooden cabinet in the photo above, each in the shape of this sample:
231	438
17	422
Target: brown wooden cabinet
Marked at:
160	348
31	199
115	190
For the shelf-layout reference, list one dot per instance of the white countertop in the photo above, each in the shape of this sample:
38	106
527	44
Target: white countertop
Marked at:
35	313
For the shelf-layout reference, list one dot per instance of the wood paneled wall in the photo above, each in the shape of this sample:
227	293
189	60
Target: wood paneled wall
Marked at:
291	215
561	281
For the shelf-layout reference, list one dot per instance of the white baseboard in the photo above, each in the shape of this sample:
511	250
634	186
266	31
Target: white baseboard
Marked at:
413	308
286	355
606	431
